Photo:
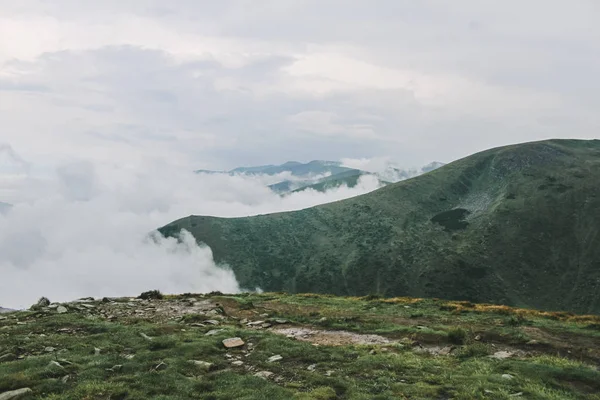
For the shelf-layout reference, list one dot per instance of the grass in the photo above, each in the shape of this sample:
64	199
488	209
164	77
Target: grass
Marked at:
128	366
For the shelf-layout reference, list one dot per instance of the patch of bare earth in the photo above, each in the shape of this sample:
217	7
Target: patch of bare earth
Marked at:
331	338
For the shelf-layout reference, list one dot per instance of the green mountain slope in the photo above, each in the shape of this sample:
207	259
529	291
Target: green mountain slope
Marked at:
515	225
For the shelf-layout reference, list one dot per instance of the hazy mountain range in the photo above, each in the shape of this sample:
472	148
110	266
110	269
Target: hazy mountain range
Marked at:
516	225
321	175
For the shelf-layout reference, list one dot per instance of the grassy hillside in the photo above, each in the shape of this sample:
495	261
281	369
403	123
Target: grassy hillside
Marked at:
516	225
296	347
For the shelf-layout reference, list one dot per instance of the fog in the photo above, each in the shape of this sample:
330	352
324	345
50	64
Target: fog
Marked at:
84	229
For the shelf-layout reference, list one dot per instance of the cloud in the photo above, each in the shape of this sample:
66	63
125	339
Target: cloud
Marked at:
85	233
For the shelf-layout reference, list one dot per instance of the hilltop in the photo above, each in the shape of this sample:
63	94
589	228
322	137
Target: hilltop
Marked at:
516	225
279	346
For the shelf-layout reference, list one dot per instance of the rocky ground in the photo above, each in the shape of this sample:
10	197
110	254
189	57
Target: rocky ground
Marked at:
256	346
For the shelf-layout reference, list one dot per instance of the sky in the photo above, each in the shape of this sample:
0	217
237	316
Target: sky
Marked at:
106	108
208	84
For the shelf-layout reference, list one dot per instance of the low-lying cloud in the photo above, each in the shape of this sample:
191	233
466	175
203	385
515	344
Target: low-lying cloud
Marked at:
86	231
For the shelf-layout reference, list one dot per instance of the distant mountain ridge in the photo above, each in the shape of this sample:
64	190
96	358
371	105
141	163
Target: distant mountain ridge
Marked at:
321	175
516	225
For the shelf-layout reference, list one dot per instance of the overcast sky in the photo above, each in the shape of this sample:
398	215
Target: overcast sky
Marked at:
218	84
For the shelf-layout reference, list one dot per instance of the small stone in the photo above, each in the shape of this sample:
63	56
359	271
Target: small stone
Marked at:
323	319
516	394
97	351
266	325
214	332
206	366
312	367
478	337
142	334
13	394
508	377
406	306
49	349
160	366
264	315
212	322
502	355
275	358
264	374
533	342
198	325
487	391
255	323
233	342
61	309
88	306
115	368
244	321
8	357
129	356
329	373
237	363
281	321
65	378
55	364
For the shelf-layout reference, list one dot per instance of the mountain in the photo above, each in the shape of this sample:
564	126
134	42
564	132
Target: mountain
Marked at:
516	225
5	310
322	175
304	347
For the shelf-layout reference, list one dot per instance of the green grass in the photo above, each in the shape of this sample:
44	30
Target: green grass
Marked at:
160	367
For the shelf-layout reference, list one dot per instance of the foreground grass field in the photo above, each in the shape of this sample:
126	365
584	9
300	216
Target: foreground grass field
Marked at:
296	347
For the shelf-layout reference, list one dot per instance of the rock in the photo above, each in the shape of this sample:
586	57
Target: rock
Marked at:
323	319
214	332
97	351
212	322
329	373
115	368
8	357
281	321
49	349
275	358
61	309
516	394
264	374
266	325
65	378
478	337
198	325
255	323
203	365
312	367
13	394
142	334
88	306
53	306
508	377
502	355
160	366
264	315
233	342
42	302
55	364
533	342
237	363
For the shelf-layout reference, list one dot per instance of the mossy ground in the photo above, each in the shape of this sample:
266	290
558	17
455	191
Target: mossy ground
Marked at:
556	354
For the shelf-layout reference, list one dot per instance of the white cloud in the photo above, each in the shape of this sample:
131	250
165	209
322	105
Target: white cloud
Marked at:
85	232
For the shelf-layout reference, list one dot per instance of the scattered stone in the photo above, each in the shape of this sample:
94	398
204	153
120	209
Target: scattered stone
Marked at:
212	322
198	325
266	325
214	332
264	315
312	367
115	368
13	394
8	357
88	306
502	355
49	349
97	351
206	366
233	342
42	302
61	309
142	334
264	374
275	358
55	364
508	377
281	321
237	363
255	323
159	367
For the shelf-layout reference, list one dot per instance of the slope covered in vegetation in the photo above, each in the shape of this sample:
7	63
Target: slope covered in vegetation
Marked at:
516	225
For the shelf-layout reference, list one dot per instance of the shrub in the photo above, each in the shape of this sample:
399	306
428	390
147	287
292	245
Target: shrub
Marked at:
457	335
151	295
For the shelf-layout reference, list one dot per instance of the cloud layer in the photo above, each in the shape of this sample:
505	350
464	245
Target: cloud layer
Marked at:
86	230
